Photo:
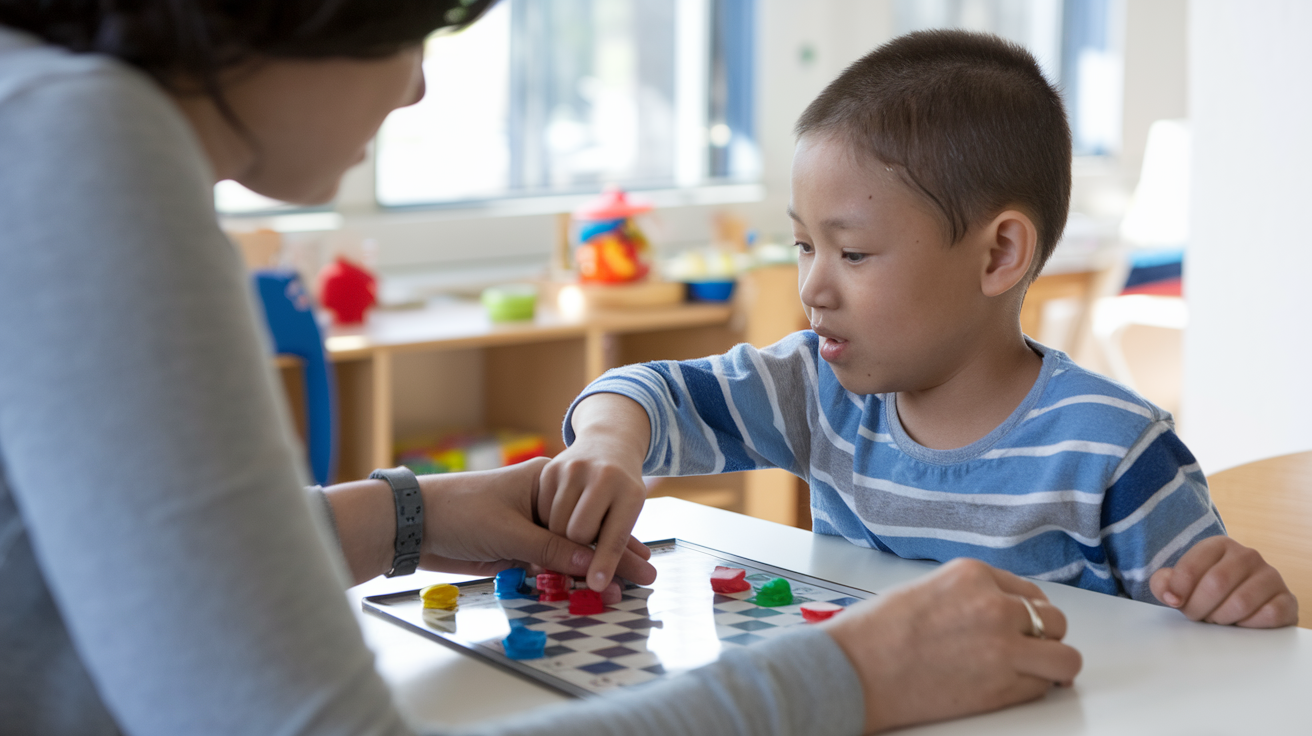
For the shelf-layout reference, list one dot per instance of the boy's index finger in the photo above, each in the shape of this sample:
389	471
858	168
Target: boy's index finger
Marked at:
1192	567
613	541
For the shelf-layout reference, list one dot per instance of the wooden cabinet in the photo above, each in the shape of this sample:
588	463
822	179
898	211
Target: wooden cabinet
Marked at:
410	372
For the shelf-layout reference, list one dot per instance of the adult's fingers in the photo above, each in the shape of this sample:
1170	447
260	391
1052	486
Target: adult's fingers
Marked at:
1022	689
638	548
1009	583
1053	620
635	567
537	546
1047	660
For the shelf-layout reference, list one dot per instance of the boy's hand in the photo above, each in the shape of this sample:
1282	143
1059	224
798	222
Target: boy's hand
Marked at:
477	523
1221	581
593	492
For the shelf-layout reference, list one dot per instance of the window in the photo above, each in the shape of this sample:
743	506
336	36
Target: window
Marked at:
1077	42
545	98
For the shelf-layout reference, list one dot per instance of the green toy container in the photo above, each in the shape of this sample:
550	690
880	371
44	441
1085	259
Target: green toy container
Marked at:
510	303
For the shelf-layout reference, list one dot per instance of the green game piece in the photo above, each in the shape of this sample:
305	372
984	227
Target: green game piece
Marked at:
777	592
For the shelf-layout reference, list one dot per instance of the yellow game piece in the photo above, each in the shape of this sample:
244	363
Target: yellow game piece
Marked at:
441	596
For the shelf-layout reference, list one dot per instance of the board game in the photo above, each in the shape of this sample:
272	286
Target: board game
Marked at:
674	625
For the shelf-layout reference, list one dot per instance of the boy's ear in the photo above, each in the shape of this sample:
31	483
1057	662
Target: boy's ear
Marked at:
1009	240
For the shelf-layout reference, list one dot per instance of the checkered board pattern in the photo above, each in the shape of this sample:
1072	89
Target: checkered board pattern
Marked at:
675	625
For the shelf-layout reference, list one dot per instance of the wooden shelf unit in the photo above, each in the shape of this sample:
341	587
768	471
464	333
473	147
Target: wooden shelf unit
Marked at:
446	366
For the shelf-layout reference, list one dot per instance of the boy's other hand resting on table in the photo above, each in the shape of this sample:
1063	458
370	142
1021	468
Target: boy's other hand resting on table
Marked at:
1221	581
593	492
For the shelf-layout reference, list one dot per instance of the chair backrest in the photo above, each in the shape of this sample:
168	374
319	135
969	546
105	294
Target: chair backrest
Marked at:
1267	505
296	332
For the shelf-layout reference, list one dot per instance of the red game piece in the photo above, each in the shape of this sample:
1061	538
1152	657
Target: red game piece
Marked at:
545	596
553	586
554	581
585	602
729	580
819	611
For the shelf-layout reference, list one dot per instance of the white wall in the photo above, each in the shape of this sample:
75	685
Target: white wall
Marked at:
1248	349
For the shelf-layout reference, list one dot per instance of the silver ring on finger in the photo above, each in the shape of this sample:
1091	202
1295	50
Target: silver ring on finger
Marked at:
1036	621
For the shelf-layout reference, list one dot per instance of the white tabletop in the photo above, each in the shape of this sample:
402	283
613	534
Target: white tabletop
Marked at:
1147	670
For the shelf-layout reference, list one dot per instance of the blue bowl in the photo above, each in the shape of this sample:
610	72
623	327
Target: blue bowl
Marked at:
710	291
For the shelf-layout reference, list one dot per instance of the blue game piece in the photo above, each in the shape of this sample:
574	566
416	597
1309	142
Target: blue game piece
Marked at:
510	584
524	643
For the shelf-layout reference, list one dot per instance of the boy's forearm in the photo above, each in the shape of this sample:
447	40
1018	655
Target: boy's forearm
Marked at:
615	420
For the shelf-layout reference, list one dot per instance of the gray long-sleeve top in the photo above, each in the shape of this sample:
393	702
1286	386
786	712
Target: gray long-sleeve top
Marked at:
161	571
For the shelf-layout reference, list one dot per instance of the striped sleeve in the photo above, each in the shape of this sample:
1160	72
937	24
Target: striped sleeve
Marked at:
742	410
1156	508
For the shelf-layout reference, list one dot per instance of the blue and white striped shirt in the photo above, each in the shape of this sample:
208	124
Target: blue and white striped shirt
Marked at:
1086	483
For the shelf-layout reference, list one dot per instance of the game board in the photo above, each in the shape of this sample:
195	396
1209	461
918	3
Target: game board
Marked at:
675	625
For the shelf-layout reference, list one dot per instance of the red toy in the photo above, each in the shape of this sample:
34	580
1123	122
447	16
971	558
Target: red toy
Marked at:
817	611
553	586
612	250
346	289
729	580
585	602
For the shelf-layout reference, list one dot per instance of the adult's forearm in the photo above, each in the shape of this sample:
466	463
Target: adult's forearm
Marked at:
365	514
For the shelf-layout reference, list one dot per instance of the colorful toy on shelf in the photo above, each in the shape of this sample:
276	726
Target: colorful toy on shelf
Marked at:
510	303
347	290
460	451
612	249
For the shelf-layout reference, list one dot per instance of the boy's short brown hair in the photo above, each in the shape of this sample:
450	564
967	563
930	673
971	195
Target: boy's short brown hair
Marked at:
967	119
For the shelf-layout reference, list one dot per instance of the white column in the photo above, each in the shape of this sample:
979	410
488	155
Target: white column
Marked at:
1248	272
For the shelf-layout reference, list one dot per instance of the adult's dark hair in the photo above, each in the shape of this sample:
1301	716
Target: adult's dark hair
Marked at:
192	41
966	119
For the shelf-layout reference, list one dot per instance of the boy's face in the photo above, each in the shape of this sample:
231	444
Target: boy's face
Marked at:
896	308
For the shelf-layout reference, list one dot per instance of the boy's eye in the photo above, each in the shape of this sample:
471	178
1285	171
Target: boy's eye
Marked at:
854	257
804	247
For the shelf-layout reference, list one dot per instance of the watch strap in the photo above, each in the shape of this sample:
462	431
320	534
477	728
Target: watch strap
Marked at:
409	517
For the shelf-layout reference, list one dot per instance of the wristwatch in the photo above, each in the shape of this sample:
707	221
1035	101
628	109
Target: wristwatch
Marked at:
409	517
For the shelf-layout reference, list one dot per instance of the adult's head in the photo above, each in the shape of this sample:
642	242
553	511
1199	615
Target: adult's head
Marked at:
284	94
967	120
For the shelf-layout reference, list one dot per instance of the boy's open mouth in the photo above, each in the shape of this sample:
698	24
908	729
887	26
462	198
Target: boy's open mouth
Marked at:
831	346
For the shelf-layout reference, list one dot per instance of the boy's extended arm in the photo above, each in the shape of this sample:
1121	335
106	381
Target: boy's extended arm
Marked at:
593	491
742	410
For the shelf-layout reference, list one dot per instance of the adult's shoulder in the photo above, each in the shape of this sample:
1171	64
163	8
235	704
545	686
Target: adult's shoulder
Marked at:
74	116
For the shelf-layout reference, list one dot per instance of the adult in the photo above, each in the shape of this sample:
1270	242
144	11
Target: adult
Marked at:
162	569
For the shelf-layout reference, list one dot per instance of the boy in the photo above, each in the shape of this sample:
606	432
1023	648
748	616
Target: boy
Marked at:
931	182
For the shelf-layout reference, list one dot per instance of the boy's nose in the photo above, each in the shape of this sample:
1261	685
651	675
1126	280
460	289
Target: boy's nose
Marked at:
813	286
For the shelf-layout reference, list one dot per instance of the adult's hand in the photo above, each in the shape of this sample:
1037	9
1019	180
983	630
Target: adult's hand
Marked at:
480	522
951	644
